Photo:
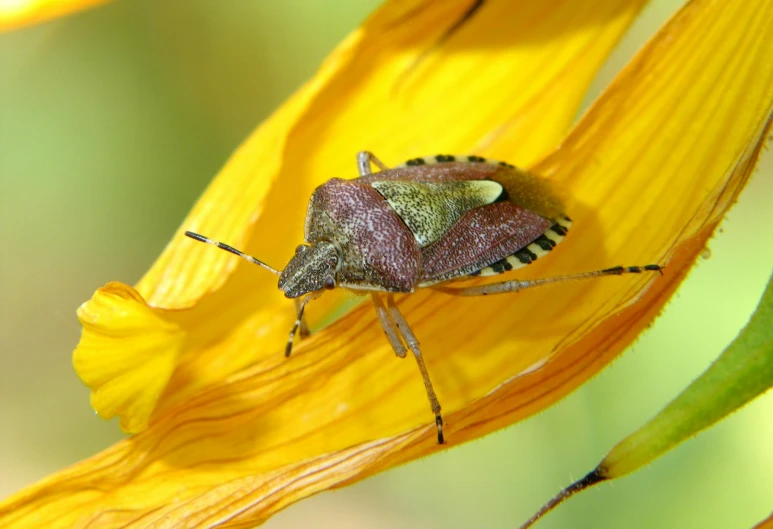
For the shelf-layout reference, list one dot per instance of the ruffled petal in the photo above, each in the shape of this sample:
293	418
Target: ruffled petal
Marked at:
126	354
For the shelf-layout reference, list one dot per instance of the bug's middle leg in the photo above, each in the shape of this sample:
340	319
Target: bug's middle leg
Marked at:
364	159
389	325
413	345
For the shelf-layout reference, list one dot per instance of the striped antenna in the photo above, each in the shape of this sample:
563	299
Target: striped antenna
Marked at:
233	250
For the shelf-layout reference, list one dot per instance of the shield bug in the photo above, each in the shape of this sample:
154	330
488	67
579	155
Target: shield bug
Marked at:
423	224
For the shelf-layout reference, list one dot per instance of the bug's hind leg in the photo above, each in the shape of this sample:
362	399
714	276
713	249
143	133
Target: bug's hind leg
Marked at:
516	286
364	159
413	345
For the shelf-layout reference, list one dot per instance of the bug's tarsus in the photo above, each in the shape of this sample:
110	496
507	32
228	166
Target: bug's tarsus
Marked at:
364	159
620	270
231	249
655	268
516	286
439	424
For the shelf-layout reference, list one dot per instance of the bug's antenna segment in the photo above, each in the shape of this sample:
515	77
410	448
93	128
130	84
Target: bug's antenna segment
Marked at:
296	325
233	250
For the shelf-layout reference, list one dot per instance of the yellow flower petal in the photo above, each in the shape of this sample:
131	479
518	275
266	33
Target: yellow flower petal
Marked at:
17	13
126	354
651	167
378	91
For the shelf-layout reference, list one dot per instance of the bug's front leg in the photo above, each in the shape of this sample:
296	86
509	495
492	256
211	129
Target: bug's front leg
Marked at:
303	329
413	344
516	286
299	323
364	159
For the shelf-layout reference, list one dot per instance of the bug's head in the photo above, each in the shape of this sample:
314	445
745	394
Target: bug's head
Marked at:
312	268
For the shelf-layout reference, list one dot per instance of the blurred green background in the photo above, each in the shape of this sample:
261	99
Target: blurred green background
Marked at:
112	122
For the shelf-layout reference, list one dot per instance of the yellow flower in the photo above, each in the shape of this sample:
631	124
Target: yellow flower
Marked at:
231	432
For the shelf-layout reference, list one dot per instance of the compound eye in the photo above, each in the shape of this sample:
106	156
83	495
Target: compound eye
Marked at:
332	262
300	248
330	283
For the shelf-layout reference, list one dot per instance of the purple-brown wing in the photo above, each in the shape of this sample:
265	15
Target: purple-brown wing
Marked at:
481	237
379	251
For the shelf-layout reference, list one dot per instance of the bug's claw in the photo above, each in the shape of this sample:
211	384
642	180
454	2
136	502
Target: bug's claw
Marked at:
439	423
655	268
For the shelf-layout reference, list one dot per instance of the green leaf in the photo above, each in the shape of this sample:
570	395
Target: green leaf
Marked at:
742	372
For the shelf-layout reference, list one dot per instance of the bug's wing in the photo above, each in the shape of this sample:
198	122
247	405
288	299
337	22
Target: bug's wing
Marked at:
540	246
522	187
430	209
482	236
